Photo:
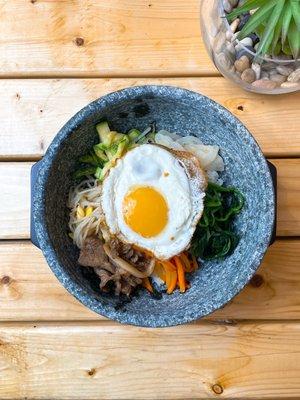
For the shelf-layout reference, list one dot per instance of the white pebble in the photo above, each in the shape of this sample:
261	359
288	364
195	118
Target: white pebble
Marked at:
228	35
219	42
290	85
286	71
278	78
243	43
234	25
214	30
223	60
230	48
227	6
294	76
257	69
264	75
234	37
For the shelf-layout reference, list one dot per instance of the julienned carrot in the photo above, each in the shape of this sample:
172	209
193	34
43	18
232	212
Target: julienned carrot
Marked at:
172	282
168	265
160	271
186	262
171	276
147	285
180	274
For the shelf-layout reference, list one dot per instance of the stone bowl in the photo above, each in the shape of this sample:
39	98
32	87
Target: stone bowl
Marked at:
187	113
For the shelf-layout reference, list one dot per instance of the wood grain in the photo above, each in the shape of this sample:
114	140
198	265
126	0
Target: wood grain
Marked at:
33	110
109	361
30	292
15	202
102	38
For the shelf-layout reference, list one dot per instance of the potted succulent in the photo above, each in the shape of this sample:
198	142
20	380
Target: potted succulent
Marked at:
255	43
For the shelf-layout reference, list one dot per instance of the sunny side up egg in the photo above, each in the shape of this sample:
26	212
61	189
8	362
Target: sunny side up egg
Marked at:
153	198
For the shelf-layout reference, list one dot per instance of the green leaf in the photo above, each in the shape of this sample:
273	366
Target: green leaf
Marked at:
294	39
80	173
262	14
247	6
268	34
286	49
286	19
276	45
295	6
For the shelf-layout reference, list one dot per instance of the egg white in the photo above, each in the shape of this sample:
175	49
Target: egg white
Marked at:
153	166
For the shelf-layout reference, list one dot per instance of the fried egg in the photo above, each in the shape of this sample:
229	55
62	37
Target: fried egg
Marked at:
153	198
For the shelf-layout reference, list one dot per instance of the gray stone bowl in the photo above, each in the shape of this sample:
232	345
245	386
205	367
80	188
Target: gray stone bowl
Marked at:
186	113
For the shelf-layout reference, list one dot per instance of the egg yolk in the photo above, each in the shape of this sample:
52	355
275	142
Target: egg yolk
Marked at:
145	211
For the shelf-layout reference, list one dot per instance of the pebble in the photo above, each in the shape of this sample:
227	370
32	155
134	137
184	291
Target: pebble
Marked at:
264	75
242	64
243	20
233	3
214	30
273	72
289	85
294	76
227	6
257	69
278	78
244	52
243	43
228	35
230	48
224	60
268	66
234	25
256	46
264	84
219	42
248	75
286	71
254	38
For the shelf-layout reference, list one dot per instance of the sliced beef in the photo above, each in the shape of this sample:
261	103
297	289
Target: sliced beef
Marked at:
128	253
93	255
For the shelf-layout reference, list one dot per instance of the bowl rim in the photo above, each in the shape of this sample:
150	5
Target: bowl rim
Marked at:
44	239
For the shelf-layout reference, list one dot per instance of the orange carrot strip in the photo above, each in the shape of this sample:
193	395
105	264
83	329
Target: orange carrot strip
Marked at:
172	282
160	271
186	262
168	265
168	277
146	283
180	274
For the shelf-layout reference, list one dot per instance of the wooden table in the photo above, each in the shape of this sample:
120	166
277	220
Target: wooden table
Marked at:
56	56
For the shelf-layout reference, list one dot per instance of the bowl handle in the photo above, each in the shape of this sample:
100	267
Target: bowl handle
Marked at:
35	169
273	173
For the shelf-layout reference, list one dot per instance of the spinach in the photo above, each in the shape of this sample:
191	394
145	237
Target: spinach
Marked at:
214	236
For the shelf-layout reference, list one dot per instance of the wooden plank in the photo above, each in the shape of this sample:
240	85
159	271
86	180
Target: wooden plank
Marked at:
32	111
15	202
109	361
102	38
288	196
30	292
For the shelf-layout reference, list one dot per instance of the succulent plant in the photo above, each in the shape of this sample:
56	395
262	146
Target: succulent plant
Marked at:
276	22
